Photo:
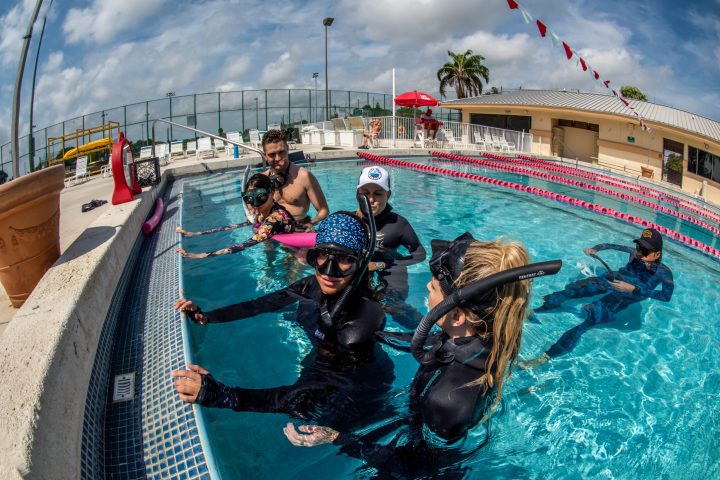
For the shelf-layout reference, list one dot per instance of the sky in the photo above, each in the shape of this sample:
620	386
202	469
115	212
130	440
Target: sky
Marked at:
99	54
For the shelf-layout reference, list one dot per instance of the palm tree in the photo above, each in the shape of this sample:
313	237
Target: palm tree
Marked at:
465	73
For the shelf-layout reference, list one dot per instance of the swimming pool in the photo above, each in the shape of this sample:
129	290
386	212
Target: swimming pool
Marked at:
635	396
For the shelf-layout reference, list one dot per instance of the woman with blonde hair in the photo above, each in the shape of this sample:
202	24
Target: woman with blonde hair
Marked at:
478	296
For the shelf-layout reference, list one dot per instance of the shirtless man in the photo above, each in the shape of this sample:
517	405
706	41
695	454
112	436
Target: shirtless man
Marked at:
375	127
296	188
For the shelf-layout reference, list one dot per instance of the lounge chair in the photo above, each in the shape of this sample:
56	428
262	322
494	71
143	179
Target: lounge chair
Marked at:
204	148
229	147
255	139
80	174
162	152
449	138
145	153
356	123
419	140
219	145
191	147
479	141
176	149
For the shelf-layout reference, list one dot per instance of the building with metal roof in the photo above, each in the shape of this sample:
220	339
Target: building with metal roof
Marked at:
680	147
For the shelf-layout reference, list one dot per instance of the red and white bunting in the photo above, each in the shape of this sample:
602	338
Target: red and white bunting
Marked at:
569	53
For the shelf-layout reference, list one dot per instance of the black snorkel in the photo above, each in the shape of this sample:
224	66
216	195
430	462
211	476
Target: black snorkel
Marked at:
468	293
366	210
611	275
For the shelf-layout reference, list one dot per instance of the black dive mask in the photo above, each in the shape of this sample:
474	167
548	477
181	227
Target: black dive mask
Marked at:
277	180
333	260
448	259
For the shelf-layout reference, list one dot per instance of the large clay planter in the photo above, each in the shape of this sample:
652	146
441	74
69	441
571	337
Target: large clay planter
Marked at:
29	230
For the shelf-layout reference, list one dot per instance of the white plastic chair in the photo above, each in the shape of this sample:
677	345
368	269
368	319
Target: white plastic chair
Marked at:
229	147
176	149
162	152
204	148
419	140
145	153
255	138
191	147
479	141
219	145
81	172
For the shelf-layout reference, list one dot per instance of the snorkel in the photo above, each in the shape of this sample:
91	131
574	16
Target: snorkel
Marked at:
327	316
467	294
611	275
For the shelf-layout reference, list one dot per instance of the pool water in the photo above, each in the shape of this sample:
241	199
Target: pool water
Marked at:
635	399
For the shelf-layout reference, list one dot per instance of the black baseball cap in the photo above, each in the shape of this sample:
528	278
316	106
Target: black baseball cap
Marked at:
650	239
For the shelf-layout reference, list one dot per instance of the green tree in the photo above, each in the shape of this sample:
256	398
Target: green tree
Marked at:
628	91
465	72
492	91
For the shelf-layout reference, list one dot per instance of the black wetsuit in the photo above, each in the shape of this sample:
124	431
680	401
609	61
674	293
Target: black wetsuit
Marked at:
344	378
394	231
645	278
442	410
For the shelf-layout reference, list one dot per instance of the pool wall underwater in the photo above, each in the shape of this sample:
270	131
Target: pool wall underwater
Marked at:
93	317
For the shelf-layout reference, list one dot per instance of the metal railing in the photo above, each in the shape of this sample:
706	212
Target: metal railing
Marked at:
402	132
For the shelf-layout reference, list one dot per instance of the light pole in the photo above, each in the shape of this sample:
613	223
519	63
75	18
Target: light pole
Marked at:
257	117
315	76
170	95
327	21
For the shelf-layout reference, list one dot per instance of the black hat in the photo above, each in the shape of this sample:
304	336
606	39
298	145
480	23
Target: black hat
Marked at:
650	239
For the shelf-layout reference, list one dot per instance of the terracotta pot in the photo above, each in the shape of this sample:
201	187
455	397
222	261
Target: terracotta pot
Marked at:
29	230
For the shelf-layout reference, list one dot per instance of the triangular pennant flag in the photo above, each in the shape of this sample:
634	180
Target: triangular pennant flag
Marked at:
627	104
512	4
526	15
597	75
635	113
584	66
554	39
615	93
543	29
568	50
606	83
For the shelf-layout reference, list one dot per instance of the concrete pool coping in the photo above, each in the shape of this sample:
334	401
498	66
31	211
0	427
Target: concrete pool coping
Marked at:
48	349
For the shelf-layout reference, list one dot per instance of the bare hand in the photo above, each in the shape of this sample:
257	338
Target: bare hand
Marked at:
191	310
309	435
190	380
187	254
590	251
181	230
621	286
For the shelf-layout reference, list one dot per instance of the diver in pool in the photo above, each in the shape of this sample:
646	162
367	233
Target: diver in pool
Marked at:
634	282
478	296
347	374
271	219
393	232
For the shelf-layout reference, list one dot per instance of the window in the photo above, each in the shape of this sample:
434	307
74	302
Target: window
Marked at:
507	122
704	164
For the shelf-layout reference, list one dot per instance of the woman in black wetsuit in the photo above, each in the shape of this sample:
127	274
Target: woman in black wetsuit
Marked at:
271	219
347	371
478	296
393	232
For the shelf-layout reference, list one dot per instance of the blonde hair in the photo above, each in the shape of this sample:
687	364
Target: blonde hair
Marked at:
503	310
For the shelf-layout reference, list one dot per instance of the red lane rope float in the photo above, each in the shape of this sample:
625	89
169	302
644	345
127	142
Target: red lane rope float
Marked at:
543	193
618	183
661	195
577	183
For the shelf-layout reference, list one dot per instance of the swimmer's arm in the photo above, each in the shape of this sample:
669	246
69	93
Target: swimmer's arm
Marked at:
612	246
667	286
271	302
217	395
212	230
317	198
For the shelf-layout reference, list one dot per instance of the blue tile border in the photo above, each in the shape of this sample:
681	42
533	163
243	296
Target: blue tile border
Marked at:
154	435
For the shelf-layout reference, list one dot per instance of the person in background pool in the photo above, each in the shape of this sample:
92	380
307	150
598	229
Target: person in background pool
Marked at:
393	232
294	187
635	282
462	376
347	373
271	219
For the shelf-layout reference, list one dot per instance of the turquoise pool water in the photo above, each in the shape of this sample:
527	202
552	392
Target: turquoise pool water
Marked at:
634	399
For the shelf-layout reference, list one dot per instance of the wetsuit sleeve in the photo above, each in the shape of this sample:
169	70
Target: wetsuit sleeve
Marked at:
409	240
267	303
275	223
217	395
219	229
613	246
667	285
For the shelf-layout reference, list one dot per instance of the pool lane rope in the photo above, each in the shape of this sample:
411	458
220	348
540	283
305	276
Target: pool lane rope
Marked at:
628	185
543	193
577	183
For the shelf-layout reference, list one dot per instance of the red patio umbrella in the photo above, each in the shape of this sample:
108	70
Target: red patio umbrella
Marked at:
415	99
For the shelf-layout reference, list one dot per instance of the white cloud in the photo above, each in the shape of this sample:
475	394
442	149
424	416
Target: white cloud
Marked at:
13	26
104	19
278	74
